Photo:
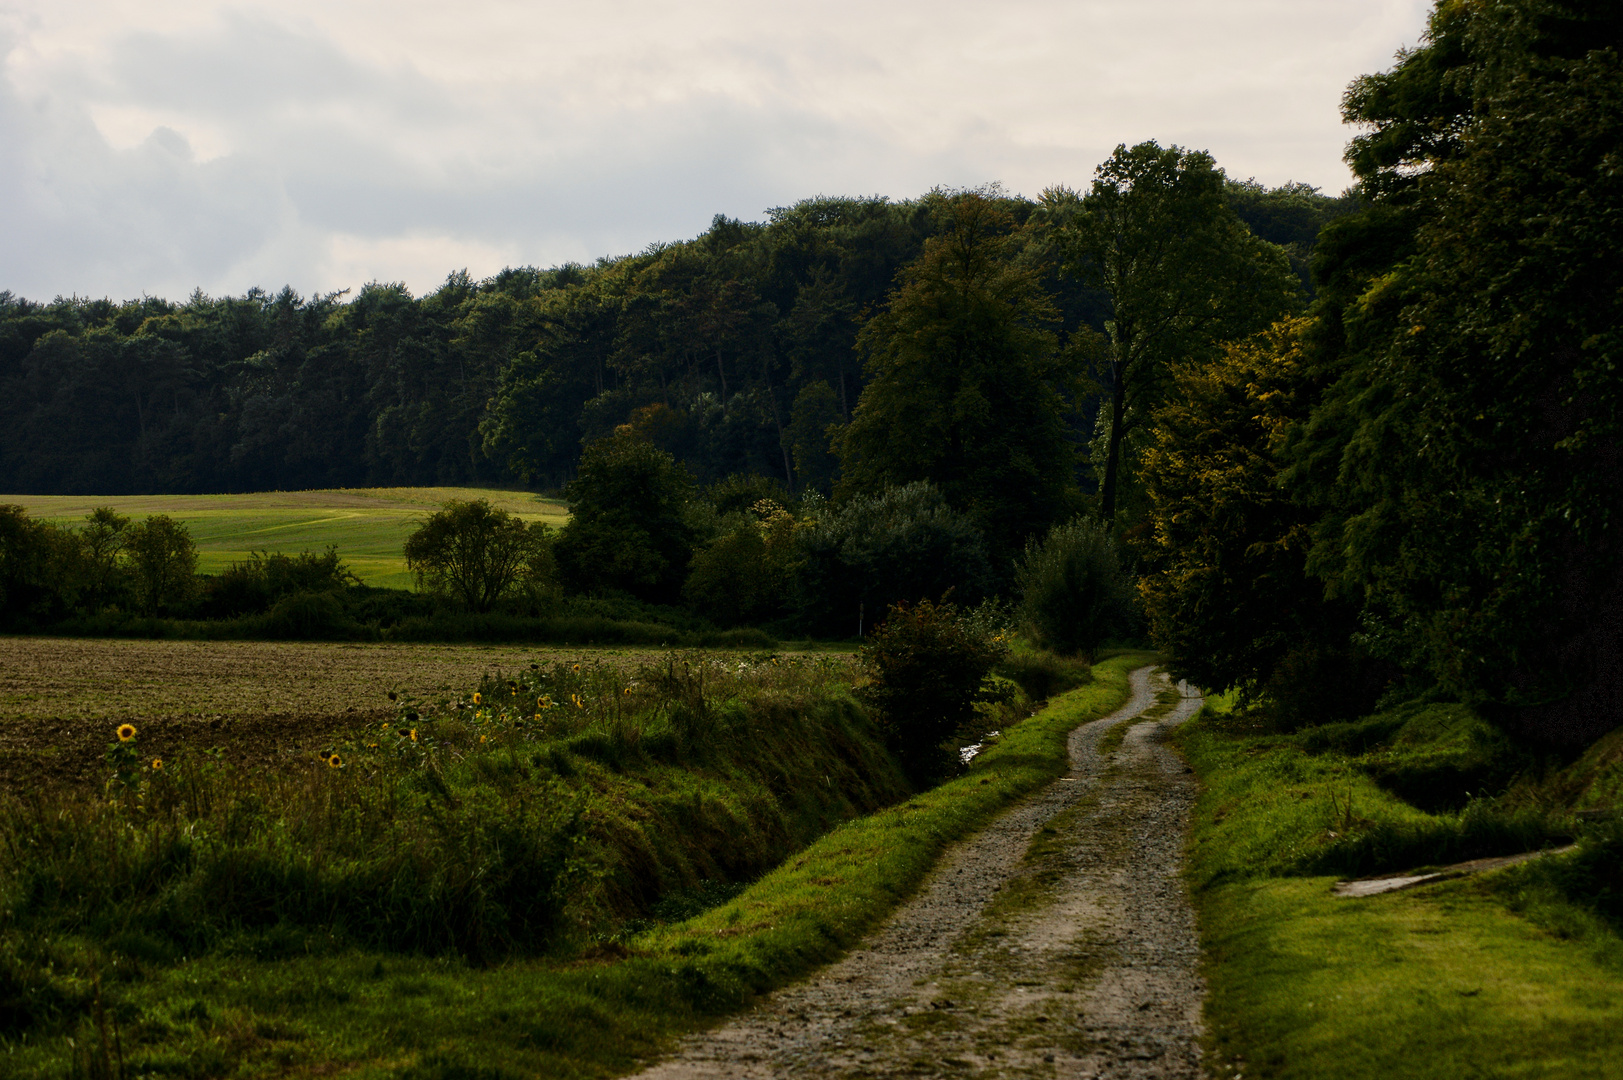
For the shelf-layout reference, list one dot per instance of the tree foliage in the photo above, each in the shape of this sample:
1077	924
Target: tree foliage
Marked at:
1158	235
964	382
163	562
475	553
1074	593
926	669
628	529
902	545
1465	455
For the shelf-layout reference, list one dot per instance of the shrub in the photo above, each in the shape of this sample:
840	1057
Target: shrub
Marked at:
39	568
253	585
926	669
1042	674
310	616
1073	591
743	575
878	550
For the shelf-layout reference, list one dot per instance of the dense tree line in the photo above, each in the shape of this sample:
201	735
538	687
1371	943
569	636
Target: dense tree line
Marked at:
735	351
1416	485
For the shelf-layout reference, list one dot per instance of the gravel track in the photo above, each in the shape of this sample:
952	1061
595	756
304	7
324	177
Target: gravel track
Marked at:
1072	956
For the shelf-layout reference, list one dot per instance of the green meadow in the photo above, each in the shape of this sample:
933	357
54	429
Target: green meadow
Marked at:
368	526
1513	973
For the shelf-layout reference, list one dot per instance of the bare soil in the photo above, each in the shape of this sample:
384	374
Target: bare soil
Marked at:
61	699
1058	942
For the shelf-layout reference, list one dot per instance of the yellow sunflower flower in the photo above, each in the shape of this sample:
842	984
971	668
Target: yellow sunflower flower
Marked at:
126	732
334	761
157	763
476	698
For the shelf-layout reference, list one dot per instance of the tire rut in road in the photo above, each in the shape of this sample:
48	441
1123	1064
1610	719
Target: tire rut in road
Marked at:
1058	941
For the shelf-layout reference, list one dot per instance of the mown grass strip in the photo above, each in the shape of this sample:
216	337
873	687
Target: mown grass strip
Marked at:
1444	980
435	1019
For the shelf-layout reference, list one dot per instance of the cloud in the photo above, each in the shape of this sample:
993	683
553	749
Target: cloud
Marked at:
163	146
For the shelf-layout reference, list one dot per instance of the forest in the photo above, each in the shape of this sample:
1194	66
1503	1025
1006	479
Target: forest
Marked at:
737	346
1349	447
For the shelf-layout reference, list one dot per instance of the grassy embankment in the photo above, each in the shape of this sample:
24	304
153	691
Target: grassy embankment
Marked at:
1518	972
378	916
369	526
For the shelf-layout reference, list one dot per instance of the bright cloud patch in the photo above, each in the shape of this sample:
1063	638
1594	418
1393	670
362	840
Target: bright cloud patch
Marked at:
163	146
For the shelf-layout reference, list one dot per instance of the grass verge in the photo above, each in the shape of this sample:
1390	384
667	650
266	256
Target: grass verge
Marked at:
1506	974
372	1013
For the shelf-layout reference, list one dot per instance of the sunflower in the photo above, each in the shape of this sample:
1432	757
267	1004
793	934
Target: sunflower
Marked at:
577	667
481	738
334	761
477	700
126	732
157	763
545	703
579	704
413	734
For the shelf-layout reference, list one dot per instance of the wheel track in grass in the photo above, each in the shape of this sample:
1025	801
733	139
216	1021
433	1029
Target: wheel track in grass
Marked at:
1056	942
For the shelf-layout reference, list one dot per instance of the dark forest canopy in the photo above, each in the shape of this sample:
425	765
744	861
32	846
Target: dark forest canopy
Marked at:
735	351
1417	485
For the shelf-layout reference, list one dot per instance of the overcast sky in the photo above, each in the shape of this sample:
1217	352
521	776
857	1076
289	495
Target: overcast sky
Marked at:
157	146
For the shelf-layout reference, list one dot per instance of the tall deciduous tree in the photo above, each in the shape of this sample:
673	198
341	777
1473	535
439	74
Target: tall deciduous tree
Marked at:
1465	459
964	375
1156	233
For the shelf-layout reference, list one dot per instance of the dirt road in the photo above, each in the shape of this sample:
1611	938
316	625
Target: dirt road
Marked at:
1058	942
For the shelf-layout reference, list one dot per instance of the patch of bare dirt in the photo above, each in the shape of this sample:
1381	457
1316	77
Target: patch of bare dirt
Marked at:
1058	942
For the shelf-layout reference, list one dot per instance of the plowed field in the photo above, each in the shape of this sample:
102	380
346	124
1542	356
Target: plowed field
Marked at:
61	699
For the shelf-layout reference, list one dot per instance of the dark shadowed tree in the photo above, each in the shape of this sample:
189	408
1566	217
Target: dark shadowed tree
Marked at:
1182	273
964	382
475	553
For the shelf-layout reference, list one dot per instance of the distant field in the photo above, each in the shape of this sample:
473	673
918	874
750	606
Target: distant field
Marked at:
369	526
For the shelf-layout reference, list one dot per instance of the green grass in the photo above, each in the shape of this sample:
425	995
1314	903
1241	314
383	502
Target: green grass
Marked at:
1498	975
369	526
374	1014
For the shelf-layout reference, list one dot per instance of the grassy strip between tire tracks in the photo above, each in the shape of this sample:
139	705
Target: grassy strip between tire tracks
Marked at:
1491	976
439	1019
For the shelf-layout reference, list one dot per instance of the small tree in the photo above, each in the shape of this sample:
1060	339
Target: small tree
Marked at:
475	553
163	562
1073	593
926	668
103	540
628	528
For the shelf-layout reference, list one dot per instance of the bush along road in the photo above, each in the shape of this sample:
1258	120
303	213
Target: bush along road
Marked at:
1057	941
